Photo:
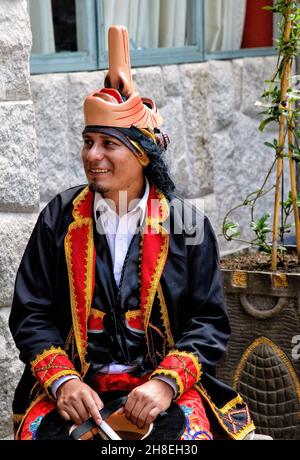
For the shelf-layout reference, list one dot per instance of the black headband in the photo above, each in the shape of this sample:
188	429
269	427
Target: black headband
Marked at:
122	135
113	132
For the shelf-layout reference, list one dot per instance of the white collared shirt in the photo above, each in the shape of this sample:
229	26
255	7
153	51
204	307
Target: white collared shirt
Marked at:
119	230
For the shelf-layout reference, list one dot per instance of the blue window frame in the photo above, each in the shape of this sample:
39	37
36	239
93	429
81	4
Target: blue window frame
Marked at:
70	61
94	55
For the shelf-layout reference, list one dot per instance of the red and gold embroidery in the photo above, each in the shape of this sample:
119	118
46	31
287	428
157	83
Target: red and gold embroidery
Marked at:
236	421
165	317
31	420
134	320
197	426
95	323
155	245
80	257
182	366
50	366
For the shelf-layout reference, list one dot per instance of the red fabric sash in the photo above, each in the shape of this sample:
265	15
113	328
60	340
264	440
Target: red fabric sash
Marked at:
102	383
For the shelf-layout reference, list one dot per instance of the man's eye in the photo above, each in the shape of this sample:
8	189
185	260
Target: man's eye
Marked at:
88	142
110	143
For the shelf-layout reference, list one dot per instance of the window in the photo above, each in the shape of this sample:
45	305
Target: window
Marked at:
235	28
64	35
72	35
161	31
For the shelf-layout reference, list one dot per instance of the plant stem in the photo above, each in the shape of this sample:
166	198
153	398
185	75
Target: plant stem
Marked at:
286	72
261	192
295	135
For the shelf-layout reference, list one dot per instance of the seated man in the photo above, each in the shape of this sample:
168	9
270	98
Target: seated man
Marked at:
110	296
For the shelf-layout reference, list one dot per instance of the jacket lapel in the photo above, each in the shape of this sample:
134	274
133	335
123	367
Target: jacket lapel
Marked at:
155	246
80	258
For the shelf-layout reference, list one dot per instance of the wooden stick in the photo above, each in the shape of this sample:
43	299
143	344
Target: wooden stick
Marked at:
297	165
294	193
286	71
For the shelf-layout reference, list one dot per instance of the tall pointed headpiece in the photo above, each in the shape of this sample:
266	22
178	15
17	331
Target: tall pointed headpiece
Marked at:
117	104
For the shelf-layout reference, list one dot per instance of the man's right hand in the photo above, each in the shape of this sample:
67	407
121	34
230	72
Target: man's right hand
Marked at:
77	401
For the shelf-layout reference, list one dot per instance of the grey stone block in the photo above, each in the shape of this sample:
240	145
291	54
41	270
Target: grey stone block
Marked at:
262	69
15	44
201	167
208	205
14	234
10	437
223	151
80	85
148	82
269	66
50	98
15	26
14	77
195	80
197	118
58	101
176	153
226	184
10	371
251	159
171	80
237	73
253	84
222	92
19	185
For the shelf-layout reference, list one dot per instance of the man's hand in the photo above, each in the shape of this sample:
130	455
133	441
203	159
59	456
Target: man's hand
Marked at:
77	401
146	401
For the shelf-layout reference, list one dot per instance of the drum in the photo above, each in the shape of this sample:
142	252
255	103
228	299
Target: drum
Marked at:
168	425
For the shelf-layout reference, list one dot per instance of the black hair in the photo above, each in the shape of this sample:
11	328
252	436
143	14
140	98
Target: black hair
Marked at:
157	171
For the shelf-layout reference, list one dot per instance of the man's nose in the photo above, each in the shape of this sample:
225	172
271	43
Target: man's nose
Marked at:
96	152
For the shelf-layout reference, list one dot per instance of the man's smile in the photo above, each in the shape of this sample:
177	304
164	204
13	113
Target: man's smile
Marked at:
96	171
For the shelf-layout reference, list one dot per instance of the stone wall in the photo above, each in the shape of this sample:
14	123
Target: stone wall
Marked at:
19	183
216	152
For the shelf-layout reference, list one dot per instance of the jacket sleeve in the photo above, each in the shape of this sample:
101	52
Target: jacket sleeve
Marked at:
32	318
205	334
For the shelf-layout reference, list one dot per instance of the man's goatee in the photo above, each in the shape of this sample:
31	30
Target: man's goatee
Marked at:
94	188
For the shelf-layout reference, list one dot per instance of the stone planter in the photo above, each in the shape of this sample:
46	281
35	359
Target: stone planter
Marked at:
262	361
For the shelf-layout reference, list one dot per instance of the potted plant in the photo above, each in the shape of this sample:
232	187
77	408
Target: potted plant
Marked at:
262	285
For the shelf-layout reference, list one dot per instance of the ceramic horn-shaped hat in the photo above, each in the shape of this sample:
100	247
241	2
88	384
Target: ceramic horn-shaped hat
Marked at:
117	104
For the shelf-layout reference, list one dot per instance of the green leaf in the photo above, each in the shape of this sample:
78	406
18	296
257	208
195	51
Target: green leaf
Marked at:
266	230
265	122
230	230
235	235
268	144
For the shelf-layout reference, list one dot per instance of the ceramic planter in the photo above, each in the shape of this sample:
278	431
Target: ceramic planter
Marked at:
262	361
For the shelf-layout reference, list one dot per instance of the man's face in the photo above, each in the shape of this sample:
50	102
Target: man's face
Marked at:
109	165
